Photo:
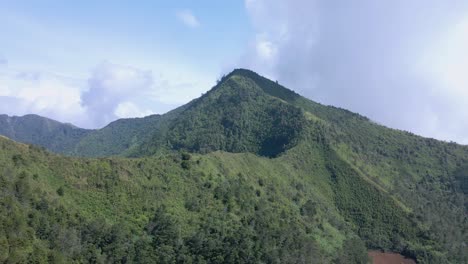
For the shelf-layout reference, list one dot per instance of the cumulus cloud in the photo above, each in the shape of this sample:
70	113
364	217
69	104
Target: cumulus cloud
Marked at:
377	58
129	109
178	92
111	85
188	18
45	94
445	61
110	92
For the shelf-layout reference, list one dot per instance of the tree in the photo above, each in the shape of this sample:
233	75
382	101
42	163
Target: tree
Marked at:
60	191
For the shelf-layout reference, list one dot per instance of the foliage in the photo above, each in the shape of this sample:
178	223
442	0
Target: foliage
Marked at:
236	116
109	214
42	131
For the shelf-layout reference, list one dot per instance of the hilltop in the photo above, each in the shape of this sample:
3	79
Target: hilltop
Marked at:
244	112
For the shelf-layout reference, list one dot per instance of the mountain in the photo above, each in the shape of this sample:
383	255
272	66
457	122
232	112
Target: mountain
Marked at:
243	113
250	172
235	116
34	129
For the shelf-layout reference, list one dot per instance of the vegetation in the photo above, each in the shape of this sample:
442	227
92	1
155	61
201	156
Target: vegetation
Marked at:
236	116
251	172
105	211
42	131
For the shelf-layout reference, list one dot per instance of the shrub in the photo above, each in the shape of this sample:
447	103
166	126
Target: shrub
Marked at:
60	191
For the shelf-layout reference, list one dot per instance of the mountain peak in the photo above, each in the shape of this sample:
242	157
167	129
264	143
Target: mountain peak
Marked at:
272	88
243	72
244	112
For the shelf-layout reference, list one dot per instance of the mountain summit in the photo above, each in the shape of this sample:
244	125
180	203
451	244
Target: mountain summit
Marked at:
237	115
244	112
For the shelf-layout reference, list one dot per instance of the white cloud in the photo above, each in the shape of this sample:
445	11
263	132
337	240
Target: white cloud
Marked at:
64	52
447	60
110	92
46	94
366	56
129	109
109	86
188	18
286	34
266	50
178	92
445	64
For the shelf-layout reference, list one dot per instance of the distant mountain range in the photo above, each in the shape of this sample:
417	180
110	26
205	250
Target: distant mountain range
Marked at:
250	172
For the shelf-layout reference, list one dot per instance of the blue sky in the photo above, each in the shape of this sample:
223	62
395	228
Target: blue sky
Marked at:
401	63
90	31
184	44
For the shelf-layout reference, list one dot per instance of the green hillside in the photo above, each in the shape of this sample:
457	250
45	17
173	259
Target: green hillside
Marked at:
123	137
34	129
250	172
116	138
235	116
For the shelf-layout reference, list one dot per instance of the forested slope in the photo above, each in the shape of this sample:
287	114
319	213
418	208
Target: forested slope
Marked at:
34	129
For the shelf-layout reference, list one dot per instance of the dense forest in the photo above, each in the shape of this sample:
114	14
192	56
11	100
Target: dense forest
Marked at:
250	172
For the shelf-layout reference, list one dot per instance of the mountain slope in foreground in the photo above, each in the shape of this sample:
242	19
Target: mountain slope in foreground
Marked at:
250	172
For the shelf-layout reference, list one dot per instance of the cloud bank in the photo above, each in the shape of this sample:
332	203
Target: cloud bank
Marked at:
401	63
110	92
40	93
110	86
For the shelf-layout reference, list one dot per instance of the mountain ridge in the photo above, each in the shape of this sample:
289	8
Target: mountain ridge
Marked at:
226	107
38	130
87	143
